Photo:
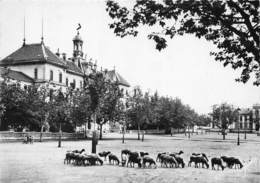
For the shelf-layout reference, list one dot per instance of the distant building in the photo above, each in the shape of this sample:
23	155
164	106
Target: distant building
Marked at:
248	119
37	64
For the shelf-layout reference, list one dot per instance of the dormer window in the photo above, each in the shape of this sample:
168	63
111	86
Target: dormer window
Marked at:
35	73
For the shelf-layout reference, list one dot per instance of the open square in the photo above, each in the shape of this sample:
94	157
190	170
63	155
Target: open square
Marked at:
43	162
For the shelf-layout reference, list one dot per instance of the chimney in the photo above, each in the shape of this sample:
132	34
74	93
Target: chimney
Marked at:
58	53
64	56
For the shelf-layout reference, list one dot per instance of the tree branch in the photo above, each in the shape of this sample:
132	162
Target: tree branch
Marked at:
247	21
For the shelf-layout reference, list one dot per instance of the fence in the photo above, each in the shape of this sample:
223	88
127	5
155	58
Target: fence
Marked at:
7	136
155	131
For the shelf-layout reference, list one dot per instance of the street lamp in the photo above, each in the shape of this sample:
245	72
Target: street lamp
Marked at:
238	139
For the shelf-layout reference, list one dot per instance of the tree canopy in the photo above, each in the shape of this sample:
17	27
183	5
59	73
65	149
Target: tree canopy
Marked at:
224	115
233	26
151	111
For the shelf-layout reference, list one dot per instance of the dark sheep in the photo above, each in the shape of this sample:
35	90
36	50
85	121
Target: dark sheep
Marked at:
142	154
93	159
79	151
201	155
104	154
168	160
176	153
232	162
197	160
218	162
125	151
149	160
134	159
180	161
113	158
159	156
68	157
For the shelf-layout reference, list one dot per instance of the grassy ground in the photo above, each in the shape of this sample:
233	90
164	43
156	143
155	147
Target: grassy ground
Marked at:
43	162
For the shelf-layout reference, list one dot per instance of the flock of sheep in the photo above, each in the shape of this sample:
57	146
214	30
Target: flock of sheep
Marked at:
142	159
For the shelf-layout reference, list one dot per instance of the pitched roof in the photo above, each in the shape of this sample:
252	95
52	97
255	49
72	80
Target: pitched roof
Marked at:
71	66
116	77
32	53
245	111
15	75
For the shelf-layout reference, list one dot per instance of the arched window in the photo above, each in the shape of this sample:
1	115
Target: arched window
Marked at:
80	84
60	77
67	81
74	83
51	75
35	73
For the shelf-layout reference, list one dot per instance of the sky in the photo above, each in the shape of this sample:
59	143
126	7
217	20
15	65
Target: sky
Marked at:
184	69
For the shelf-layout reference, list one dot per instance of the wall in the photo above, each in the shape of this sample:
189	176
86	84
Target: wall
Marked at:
56	70
29	69
77	78
7	136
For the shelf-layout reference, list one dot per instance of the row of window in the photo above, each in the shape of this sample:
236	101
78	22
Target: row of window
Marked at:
60	78
246	125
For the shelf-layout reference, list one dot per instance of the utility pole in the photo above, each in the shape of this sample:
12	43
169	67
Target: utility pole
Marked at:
238	139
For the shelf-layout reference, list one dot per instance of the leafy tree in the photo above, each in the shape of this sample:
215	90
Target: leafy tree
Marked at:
223	115
104	96
233	26
136	109
19	108
79	104
204	120
109	106
59	115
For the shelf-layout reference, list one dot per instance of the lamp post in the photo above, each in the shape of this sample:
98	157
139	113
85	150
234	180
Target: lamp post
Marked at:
245	135
238	139
59	143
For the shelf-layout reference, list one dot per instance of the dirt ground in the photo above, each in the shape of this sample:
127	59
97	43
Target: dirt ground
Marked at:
43	162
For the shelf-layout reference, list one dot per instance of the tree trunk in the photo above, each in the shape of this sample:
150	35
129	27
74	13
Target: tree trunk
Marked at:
138	131
94	142
189	131
143	135
85	134
41	133
100	132
123	138
59	143
224	134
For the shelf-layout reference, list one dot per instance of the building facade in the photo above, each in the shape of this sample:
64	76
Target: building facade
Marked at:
248	119
40	65
37	64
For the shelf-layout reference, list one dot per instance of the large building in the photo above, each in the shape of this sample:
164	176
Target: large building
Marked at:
248	120
36	63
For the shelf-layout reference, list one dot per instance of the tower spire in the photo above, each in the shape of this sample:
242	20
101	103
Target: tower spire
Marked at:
42	32
24	30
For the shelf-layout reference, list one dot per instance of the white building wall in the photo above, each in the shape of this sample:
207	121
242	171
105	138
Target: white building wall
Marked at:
77	78
29	69
56	71
44	74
